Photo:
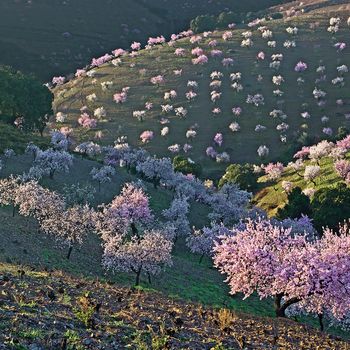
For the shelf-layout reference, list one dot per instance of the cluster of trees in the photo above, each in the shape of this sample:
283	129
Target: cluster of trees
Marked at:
207	22
273	262
133	240
24	101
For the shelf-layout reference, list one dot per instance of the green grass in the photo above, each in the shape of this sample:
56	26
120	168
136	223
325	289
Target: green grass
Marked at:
314	46
22	244
11	137
272	197
32	37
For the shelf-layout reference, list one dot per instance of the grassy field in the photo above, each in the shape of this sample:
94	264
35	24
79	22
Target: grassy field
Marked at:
22	245
188	279
314	46
11	137
272	196
32	32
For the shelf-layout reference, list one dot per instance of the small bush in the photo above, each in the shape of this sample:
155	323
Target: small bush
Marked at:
185	166
242	175
85	310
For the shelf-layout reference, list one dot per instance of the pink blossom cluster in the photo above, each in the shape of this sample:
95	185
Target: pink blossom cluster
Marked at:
146	136
180	52
218	139
301	67
157	80
267	259
197	52
119	52
58	80
87	122
156	41
202	59
97	62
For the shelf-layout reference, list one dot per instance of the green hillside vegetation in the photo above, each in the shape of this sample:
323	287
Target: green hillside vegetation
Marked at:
17	140
272	196
24	245
314	46
56	37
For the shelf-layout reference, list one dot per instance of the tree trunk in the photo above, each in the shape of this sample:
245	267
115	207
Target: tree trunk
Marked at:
69	252
277	303
13	211
280	309
201	259
138	274
320	320
149	278
99	186
134	229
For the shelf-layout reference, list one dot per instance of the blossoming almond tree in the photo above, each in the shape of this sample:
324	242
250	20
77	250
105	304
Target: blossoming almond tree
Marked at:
269	260
70	226
149	254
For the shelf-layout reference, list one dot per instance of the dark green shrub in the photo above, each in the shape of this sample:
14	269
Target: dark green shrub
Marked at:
185	166
226	18
331	206
203	23
298	204
26	97
242	175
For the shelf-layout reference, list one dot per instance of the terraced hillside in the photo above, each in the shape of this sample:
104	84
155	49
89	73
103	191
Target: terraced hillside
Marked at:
315	99
50	37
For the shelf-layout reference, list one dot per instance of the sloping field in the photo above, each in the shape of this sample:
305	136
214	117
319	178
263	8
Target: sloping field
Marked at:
297	106
50	37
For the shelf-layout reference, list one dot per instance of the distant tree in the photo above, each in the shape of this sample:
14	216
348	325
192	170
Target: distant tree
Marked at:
298	205
177	216
70	226
78	194
229	204
102	175
241	175
330	206
128	244
23	96
155	170
203	23
148	253
202	241
50	161
226	18
186	166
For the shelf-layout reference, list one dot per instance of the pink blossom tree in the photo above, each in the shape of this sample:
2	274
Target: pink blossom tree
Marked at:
267	259
149	253
70	226
342	168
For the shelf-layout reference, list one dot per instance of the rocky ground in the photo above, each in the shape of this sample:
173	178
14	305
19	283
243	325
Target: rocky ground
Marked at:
50	310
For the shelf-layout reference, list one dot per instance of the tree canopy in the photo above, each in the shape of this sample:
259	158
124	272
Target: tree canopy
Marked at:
23	96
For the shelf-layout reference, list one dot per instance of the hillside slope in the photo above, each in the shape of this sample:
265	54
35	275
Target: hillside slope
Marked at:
314	45
51	310
56	37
